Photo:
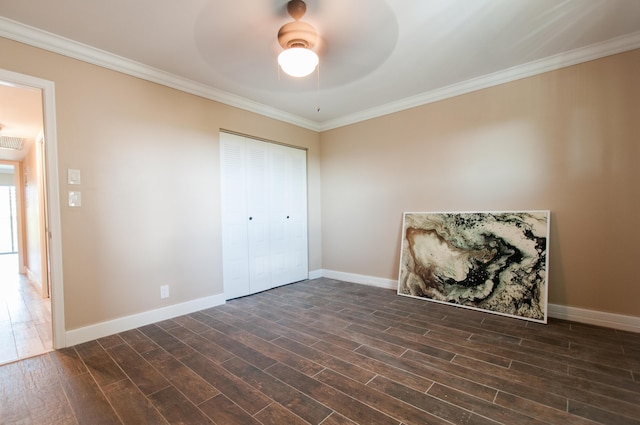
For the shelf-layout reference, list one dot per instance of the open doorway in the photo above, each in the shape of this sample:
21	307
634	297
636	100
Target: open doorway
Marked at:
25	303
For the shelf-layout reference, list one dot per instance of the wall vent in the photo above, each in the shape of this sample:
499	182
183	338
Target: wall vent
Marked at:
8	142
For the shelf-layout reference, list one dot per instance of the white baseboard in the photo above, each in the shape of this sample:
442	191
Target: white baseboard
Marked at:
594	317
315	274
32	278
102	329
358	278
580	315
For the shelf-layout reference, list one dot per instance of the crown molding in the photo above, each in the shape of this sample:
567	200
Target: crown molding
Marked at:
551	63
38	38
45	40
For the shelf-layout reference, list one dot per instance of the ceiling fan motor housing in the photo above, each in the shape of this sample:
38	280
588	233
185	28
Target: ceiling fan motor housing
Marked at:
297	34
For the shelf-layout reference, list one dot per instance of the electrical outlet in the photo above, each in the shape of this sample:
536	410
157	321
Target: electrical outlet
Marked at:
164	291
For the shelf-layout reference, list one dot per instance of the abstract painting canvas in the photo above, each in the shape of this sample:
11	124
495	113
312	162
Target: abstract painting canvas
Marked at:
490	261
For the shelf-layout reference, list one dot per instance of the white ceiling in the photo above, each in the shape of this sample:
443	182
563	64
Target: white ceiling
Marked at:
376	56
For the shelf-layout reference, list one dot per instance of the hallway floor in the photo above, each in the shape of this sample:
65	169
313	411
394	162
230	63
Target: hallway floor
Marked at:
25	317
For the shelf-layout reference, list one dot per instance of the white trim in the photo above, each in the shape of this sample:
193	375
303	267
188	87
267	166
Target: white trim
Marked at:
580	315
552	63
35	37
31	277
359	278
315	274
53	197
111	327
45	40
593	317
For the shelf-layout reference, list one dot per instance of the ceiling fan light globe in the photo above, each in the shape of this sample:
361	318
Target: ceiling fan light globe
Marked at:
298	61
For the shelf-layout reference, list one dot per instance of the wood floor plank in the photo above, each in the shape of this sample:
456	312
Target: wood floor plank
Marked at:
38	371
189	383
243	351
326	352
321	334
43	392
224	412
406	342
432	373
348	369
102	367
337	419
167	341
298	403
88	402
48	404
176	409
131	405
398	405
538	410
456	349
592	393
483	407
139	371
332	398
67	362
208	349
279	354
110	341
275	414
191	323
13	404
138	341
8	350
600	415
239	392
498	378
409	379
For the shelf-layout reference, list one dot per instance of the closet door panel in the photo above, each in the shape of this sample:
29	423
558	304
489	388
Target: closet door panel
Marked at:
278	201
235	257
297	237
258	215
288	213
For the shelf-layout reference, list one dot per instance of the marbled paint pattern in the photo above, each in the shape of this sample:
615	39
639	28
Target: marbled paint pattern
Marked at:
494	261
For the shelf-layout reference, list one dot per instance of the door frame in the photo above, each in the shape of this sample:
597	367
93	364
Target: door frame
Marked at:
52	196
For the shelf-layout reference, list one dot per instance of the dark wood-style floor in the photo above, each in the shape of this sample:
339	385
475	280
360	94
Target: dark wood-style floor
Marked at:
329	352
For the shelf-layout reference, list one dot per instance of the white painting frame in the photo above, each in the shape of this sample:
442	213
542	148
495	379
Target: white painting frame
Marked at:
492	261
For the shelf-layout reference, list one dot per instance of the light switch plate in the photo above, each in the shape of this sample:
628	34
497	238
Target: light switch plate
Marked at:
73	176
75	198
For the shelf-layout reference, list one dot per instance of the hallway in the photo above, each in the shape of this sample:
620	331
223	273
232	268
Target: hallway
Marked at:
25	318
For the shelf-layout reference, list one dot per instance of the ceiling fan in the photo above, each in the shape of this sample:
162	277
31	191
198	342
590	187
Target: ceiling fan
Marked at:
297	38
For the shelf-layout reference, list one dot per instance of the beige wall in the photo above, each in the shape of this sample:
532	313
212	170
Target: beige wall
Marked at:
150	210
567	141
33	225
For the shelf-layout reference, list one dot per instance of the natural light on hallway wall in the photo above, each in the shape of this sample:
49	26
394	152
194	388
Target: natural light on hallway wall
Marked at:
297	38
